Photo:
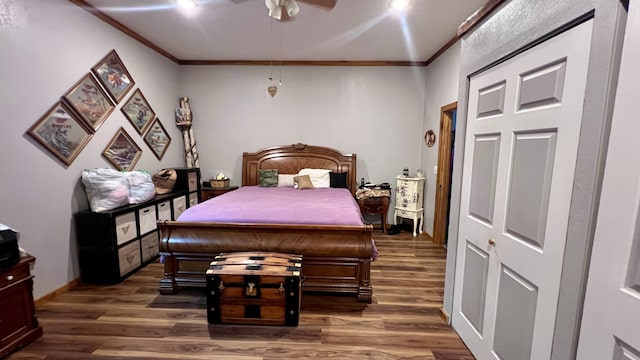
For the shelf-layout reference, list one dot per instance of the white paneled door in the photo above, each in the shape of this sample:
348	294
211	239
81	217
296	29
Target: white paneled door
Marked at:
611	318
523	126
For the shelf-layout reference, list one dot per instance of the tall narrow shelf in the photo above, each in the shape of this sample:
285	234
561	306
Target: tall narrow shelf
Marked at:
409	195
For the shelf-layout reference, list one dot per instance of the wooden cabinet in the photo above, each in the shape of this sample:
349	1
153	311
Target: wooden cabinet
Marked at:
377	206
115	243
211	192
409	198
18	323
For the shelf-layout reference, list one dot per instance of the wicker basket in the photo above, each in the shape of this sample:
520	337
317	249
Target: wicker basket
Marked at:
215	183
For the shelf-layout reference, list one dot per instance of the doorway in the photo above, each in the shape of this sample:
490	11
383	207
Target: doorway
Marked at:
443	177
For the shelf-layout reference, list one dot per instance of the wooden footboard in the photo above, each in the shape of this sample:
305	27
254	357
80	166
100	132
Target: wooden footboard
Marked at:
336	258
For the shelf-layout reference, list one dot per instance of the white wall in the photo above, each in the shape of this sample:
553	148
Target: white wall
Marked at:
375	112
45	47
441	89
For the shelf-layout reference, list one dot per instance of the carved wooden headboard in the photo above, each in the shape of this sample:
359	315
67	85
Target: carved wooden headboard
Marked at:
290	159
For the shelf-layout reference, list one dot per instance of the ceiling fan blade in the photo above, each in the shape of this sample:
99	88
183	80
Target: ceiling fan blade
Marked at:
326	4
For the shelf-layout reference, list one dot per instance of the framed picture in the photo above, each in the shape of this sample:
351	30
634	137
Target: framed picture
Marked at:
90	102
157	138
61	133
122	152
113	76
138	111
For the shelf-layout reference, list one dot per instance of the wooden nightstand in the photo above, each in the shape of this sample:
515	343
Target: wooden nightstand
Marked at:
18	322
210	192
374	202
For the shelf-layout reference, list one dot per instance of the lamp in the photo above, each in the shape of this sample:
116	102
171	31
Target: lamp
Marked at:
276	6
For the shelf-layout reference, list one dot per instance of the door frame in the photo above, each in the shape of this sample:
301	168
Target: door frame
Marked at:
443	178
545	19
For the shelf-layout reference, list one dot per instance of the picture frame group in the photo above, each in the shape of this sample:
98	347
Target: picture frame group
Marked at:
66	128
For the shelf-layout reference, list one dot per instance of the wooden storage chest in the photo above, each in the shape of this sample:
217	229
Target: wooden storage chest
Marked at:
254	288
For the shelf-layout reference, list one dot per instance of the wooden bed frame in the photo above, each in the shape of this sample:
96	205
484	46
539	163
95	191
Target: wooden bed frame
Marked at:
337	259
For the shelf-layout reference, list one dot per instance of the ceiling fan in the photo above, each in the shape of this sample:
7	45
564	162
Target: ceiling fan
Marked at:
285	10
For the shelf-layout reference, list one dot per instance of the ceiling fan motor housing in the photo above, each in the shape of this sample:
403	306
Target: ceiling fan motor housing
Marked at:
275	8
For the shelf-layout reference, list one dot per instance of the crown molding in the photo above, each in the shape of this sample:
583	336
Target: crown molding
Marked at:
463	29
302	62
113	22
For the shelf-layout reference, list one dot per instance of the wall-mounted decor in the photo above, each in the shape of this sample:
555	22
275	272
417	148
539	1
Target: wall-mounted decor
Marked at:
90	102
138	111
430	138
122	152
112	74
61	133
272	90
157	138
184	119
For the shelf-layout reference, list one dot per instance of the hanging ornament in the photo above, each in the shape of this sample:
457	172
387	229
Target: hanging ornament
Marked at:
272	90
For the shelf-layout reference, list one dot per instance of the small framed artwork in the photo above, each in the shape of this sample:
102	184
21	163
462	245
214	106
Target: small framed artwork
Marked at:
90	102
122	152
138	111
157	138
430	138
61	133
113	76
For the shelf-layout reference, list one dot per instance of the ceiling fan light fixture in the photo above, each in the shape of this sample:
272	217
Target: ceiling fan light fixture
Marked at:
277	6
275	11
292	7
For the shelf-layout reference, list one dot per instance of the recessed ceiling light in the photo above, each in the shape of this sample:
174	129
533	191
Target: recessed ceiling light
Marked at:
186	4
400	4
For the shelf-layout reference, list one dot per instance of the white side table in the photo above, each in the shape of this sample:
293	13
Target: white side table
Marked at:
409	192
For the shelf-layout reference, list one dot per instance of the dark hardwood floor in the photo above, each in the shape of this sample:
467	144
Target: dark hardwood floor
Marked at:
132	321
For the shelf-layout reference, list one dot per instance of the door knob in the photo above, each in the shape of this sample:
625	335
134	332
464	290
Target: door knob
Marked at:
492	242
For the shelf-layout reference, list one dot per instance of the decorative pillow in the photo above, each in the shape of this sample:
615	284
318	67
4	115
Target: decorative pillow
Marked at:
285	180
338	180
303	182
319	177
268	177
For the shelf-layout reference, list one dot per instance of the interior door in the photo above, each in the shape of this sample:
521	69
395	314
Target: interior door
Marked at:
443	177
611	318
523	127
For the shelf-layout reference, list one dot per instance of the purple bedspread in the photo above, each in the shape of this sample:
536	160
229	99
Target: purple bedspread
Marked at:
278	205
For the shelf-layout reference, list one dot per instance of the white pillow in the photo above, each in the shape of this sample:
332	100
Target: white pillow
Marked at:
285	180
319	177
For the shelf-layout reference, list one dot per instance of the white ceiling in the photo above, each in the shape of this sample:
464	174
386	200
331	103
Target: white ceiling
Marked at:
354	30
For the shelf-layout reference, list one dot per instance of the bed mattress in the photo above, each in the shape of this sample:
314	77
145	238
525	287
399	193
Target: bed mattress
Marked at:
278	205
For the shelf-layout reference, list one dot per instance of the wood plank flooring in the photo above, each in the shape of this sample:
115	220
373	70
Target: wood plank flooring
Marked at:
132	321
